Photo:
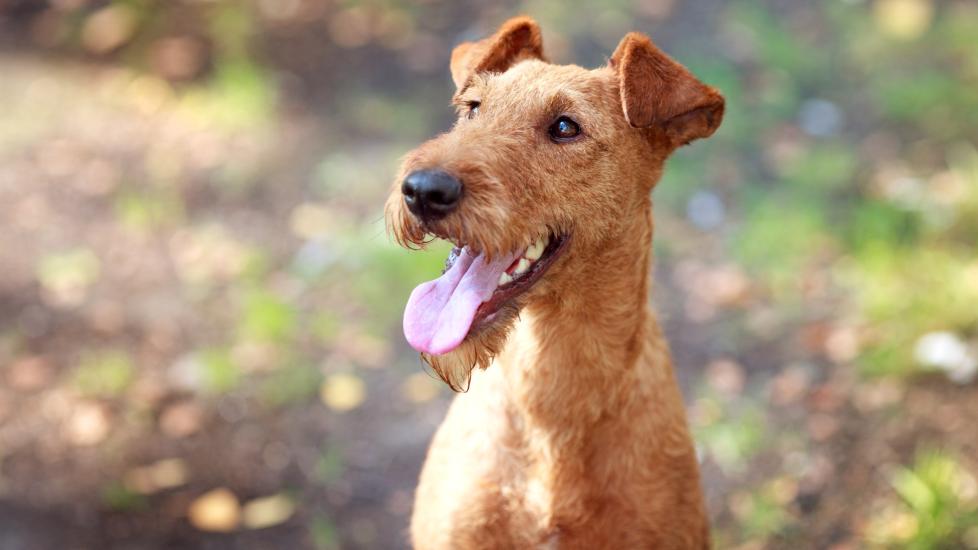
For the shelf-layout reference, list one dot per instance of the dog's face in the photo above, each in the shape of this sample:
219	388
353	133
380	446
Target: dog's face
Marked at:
543	160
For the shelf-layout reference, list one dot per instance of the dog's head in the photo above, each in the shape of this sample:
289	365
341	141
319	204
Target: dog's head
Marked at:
543	159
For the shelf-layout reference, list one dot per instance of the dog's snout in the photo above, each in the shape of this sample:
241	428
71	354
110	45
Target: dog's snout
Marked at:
431	194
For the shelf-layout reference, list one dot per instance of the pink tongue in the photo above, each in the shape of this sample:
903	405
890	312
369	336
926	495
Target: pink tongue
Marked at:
439	313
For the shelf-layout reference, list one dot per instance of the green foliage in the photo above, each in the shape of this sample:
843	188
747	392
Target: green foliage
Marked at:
104	373
148	207
75	268
876	224
939	494
779	236
239	95
324	534
732	434
886	283
821	169
330	466
777	46
388	271
886	359
763	515
326	325
230	25
117	497
219	373
683	175
266	317
291	384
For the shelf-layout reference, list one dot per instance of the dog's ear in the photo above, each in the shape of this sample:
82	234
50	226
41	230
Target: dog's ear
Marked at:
658	91
516	40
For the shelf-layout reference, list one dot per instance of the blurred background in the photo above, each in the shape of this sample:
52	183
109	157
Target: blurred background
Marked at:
200	339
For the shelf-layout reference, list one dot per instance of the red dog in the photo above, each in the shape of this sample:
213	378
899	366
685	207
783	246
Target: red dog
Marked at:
574	435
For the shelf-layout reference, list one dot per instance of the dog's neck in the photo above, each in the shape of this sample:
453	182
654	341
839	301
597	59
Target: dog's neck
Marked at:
581	373
570	363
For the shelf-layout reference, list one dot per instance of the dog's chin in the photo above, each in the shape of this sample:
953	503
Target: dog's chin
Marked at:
483	343
496	315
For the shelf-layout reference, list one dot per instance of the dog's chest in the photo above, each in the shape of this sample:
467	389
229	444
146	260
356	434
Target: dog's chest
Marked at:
544	492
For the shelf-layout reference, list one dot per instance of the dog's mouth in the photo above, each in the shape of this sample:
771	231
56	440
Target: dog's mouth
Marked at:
442	313
521	274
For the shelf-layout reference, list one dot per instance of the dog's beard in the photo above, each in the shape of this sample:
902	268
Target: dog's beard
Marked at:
478	350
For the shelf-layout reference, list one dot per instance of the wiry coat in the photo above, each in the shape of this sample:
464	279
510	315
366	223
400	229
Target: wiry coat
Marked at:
573	433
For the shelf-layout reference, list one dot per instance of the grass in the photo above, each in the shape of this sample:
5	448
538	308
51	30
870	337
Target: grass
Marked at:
937	506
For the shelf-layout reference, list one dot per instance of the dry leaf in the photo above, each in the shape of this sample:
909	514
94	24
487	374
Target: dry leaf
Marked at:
312	221
904	19
268	511
108	28
29	373
181	419
343	392
158	476
216	510
420	388
88	425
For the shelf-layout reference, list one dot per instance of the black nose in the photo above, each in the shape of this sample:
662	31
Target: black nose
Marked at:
431	194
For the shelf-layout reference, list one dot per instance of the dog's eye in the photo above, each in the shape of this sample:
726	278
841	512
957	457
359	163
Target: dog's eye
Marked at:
473	109
564	129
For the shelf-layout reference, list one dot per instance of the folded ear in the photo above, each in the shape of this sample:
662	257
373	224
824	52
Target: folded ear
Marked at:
516	40
657	91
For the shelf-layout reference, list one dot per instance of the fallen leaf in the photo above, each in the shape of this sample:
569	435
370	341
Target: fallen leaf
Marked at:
267	511
790	385
343	392
158	476
842	344
181	419
350	28
29	373
217	510
178	57
420	388
108	28
725	376
312	221
904	19
88	425
67	277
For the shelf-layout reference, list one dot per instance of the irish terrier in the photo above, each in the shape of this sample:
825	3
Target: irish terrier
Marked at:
576	437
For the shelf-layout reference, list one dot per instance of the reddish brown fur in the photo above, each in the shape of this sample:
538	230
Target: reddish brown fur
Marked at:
576	437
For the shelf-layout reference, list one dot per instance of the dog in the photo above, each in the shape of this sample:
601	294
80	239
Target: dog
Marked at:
572	432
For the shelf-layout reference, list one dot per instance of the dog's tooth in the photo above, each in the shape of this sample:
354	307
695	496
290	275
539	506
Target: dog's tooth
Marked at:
504	279
523	266
535	250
